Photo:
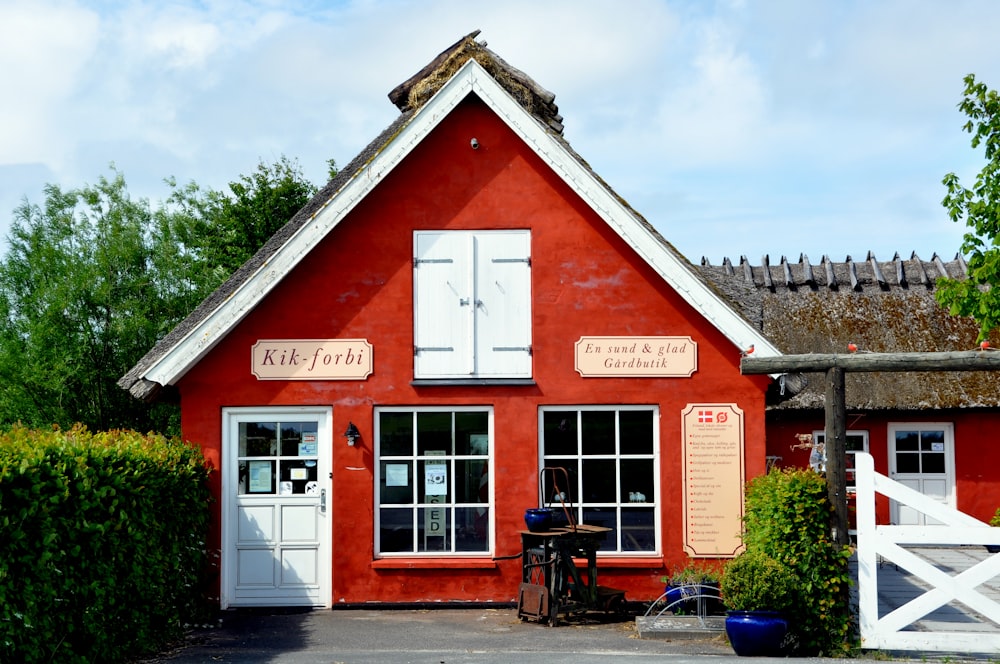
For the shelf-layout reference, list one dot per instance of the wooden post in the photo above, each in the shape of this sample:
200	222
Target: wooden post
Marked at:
836	446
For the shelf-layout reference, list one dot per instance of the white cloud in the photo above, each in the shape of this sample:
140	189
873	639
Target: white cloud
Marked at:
43	48
817	121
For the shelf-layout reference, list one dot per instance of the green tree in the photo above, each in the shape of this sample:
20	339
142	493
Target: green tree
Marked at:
979	207
90	281
93	278
256	207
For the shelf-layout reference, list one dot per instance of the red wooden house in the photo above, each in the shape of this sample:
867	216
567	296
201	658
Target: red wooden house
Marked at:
466	304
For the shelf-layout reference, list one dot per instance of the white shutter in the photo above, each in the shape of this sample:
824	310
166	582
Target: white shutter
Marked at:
442	305
503	304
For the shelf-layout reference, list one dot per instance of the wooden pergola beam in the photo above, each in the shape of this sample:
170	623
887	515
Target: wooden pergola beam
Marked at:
969	360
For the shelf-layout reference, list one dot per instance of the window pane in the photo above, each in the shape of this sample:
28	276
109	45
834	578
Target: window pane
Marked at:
472	524
907	462
257	477
294	434
396	483
907	441
559	429
932	462
396	530
472	433
434	481
434	433
638	530
554	481
636	431
598	435
298	476
599	481
855	443
606	518
434	528
258	439
395	434
472	481
932	440
637	481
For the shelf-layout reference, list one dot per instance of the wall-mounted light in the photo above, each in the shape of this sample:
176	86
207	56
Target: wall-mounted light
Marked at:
352	434
474	143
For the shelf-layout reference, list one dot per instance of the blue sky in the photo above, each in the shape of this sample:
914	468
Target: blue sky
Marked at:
736	127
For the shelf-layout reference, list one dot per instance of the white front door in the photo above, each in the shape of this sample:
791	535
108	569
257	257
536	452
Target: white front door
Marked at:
922	457
276	514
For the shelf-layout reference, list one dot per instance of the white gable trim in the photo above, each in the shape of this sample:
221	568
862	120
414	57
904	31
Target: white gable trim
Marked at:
470	78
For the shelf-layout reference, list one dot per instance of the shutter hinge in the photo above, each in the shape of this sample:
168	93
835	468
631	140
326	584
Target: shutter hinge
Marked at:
418	261
418	349
520	349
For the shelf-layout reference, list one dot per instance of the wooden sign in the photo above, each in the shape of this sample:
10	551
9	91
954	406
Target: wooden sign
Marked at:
311	359
714	472
636	357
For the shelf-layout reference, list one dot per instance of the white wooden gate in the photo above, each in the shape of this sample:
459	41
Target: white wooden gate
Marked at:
887	543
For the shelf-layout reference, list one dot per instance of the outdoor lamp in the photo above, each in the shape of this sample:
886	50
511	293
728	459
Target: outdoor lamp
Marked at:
352	434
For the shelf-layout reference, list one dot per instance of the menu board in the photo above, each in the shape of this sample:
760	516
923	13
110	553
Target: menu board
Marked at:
713	479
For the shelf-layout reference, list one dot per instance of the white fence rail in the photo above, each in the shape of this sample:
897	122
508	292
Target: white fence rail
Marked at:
896	630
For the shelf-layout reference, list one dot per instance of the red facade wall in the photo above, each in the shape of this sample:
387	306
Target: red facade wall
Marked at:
357	283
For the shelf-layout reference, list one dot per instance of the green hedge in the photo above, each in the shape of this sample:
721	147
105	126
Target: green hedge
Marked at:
102	543
788	517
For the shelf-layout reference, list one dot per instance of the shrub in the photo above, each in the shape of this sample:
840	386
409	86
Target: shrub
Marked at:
102	543
754	581
788	517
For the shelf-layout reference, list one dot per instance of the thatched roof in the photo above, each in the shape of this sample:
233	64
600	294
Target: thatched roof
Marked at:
880	306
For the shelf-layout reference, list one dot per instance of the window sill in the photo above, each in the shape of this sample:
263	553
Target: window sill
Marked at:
434	563
471	382
646	562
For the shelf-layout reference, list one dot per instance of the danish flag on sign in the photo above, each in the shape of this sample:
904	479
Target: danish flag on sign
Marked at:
704	416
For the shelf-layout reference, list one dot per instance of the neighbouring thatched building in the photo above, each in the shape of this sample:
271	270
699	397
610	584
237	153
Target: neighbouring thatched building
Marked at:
933	430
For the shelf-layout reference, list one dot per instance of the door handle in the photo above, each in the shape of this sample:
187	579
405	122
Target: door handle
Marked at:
322	501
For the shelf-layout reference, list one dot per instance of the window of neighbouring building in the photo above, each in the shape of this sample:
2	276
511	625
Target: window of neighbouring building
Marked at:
433	494
857	441
610	455
472	304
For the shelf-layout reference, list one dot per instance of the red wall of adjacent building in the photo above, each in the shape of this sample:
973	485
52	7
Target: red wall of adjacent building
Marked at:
977	450
357	283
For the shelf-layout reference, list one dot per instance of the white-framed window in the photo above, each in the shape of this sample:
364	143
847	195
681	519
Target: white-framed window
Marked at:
857	441
610	455
433	495
472	304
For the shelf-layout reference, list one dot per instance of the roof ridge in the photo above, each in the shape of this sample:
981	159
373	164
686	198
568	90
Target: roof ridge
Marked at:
415	91
891	274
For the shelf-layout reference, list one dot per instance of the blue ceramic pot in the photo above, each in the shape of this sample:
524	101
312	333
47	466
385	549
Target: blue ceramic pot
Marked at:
678	599
756	633
538	520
